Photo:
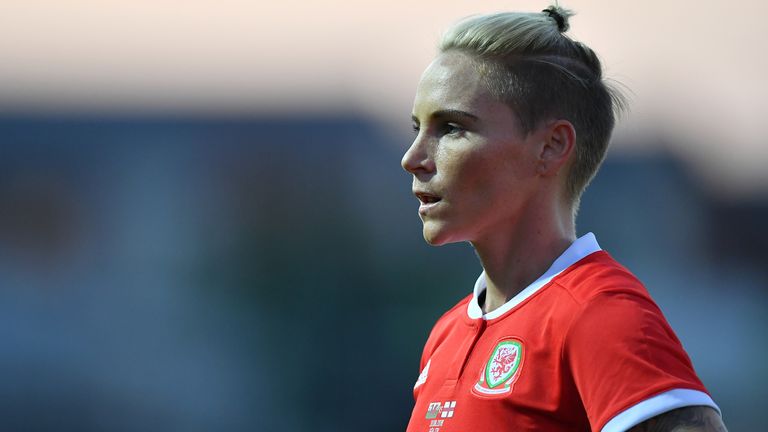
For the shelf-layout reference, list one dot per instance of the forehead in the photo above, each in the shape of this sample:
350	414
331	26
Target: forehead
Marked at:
451	81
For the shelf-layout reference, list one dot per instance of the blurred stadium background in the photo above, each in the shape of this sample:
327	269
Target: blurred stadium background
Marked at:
204	225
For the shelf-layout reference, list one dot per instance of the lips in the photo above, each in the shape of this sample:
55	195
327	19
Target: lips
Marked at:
428	201
427	198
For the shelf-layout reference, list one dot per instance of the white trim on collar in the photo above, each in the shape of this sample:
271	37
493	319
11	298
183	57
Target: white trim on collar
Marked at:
579	249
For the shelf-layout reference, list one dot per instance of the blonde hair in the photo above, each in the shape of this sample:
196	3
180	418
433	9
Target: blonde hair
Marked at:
542	74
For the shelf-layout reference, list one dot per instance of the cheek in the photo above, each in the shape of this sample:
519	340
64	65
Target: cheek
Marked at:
493	179
473	175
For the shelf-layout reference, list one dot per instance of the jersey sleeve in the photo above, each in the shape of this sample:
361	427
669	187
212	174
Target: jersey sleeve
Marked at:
627	364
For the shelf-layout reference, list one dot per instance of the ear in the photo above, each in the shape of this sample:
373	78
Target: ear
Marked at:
559	142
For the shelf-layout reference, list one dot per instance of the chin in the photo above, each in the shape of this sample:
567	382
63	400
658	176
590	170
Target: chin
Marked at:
436	235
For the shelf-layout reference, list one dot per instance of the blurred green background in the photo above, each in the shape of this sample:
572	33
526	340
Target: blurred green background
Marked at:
269	274
204	225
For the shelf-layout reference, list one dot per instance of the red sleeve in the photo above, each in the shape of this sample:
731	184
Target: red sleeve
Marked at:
622	351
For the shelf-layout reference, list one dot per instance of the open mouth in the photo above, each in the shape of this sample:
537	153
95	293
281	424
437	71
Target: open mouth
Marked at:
427	198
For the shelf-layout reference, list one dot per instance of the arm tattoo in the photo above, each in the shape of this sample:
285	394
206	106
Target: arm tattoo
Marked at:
688	419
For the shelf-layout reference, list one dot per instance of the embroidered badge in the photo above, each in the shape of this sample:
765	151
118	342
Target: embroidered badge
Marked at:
503	368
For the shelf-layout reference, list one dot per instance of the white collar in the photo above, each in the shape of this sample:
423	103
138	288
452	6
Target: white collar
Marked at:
579	249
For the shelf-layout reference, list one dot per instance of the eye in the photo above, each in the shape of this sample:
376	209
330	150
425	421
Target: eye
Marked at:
452	129
416	128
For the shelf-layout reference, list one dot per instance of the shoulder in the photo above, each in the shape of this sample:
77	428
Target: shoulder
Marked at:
611	302
599	274
625	359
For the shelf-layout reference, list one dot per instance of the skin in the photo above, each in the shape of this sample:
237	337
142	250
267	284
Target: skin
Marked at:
688	419
501	190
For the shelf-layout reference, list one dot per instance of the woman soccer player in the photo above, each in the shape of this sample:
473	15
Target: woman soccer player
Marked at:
512	121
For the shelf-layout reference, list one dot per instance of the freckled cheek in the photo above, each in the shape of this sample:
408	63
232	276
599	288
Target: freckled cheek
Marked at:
470	176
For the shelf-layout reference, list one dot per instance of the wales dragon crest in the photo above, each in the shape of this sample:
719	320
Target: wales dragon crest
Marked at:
502	369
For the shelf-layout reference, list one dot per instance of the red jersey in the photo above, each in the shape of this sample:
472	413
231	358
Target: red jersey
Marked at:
582	348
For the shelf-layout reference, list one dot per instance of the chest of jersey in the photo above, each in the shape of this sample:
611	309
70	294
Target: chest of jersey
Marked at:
504	374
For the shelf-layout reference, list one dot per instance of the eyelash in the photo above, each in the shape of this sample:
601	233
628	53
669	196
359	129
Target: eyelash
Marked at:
446	129
452	129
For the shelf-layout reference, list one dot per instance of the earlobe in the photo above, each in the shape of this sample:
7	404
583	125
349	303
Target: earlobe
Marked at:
559	142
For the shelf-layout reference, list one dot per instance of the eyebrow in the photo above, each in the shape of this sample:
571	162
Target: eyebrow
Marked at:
447	113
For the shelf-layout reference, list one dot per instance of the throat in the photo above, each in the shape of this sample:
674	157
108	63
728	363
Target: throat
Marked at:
481	301
493	297
490	303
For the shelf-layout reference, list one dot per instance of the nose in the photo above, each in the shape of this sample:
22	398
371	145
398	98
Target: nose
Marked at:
417	159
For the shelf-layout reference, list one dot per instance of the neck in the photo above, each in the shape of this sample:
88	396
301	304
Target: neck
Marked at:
516	257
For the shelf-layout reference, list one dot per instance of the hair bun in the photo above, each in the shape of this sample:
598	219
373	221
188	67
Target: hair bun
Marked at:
560	15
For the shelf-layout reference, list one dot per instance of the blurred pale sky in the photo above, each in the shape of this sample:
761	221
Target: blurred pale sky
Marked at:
696	70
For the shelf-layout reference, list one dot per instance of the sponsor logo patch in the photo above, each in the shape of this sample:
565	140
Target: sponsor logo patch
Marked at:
438	413
433	410
502	369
